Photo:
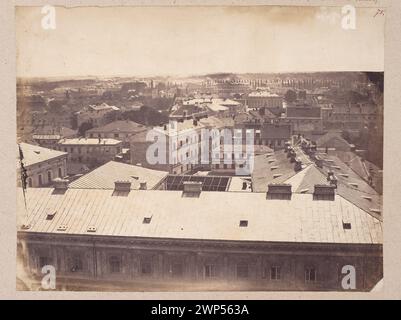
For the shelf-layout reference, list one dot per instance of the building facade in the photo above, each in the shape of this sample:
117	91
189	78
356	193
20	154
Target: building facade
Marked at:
41	165
257	242
90	150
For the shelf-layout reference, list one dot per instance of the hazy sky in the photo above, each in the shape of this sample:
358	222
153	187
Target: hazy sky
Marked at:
196	40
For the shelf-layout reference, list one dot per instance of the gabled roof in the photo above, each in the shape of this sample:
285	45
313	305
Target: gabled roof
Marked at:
104	176
211	216
33	154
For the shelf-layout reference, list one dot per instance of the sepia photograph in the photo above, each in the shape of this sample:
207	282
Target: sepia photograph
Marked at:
199	148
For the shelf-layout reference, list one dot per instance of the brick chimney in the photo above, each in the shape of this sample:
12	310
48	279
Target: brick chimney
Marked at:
60	184
192	189
324	192
123	186
279	191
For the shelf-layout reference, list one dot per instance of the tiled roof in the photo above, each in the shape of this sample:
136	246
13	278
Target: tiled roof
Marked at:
125	126
34	154
211	216
276	168
104	176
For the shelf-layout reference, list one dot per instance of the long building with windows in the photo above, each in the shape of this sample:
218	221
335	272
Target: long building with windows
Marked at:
38	166
192	239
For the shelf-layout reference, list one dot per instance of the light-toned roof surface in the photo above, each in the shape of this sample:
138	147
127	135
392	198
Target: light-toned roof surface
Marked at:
104	176
103	106
217	123
34	154
263	94
212	216
177	127
89	141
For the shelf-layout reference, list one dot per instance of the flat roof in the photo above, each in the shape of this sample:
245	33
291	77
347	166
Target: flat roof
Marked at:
211	216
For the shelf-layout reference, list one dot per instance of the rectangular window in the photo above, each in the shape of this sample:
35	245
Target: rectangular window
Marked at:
60	172
275	273
116	135
310	275
146	267
40	180
115	264
44	261
242	270
210	271
76	263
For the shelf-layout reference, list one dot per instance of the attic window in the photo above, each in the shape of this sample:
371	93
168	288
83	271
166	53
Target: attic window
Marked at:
344	175
304	190
277	175
346	225
62	228
271	160
37	151
274	168
91	229
51	215
147	220
336	167
367	198
243	223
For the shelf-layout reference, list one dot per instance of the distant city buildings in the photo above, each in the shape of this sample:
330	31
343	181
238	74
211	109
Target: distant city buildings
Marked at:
97	115
119	130
90	151
135	195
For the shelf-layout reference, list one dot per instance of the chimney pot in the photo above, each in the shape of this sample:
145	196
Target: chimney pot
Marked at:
60	184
